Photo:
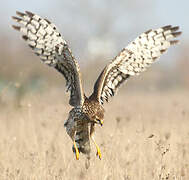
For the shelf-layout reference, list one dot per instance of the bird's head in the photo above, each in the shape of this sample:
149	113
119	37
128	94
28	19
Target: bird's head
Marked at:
98	121
99	117
94	111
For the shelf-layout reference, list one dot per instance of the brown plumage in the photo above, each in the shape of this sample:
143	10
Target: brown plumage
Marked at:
47	43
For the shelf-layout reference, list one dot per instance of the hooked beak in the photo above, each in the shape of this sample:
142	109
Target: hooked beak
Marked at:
101	122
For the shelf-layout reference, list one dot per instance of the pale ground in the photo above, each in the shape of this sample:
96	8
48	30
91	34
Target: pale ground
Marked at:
145	136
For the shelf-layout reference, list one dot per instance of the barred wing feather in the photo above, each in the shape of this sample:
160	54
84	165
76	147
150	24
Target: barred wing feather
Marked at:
45	40
133	60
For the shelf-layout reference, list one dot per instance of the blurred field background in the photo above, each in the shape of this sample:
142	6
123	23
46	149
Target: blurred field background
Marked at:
146	130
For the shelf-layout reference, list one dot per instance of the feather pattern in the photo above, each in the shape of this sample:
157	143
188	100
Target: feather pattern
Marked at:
133	60
47	43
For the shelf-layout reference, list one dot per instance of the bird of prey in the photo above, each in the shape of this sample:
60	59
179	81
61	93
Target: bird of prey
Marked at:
47	43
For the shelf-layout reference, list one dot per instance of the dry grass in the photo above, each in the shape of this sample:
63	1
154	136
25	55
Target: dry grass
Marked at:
145	136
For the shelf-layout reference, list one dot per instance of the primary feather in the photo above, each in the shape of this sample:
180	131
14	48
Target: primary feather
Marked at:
46	41
43	37
133	60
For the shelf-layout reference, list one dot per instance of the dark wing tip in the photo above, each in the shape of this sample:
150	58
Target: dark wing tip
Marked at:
166	27
173	42
146	32
20	13
16	18
162	51
47	21
175	34
30	14
175	28
25	37
31	46
16	27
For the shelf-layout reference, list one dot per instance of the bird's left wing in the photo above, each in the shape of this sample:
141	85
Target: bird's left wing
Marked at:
133	60
45	40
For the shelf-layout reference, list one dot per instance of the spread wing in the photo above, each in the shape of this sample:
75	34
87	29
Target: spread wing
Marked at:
133	60
47	43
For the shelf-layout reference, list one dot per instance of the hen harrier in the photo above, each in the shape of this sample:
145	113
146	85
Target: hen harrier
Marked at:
47	43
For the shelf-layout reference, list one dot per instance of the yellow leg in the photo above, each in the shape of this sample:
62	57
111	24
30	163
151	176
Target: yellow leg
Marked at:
76	150
97	148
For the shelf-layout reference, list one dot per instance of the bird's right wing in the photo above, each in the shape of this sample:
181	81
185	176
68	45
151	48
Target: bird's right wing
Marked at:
133	60
45	40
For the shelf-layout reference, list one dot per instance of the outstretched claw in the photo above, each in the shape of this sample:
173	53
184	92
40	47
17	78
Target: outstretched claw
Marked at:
76	151
98	153
77	154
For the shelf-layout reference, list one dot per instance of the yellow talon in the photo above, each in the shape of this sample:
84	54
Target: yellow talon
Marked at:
77	154
99	153
76	151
